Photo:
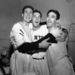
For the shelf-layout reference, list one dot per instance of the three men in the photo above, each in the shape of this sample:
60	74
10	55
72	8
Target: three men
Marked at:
36	54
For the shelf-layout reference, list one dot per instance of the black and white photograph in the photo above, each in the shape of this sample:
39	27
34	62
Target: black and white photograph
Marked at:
37	37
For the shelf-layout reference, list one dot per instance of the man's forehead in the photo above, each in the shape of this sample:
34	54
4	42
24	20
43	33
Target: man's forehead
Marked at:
51	13
36	14
28	9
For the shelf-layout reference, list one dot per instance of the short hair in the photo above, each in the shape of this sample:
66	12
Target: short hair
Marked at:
37	11
56	12
25	7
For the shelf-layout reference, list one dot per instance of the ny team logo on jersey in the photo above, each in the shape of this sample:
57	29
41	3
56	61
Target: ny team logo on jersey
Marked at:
37	37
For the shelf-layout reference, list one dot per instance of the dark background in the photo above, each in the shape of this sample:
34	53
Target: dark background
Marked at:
10	13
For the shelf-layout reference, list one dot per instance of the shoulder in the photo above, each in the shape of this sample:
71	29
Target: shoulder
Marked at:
16	26
43	26
44	29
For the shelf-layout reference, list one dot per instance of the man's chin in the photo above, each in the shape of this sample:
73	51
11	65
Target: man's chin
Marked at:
28	21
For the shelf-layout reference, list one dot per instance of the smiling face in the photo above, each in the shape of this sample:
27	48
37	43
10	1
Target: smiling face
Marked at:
36	19
27	15
51	18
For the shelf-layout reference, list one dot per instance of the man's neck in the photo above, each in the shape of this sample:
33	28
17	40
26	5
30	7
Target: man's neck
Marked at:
49	27
25	23
52	24
36	28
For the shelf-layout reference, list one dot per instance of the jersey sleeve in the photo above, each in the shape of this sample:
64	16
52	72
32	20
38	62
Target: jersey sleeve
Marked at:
16	36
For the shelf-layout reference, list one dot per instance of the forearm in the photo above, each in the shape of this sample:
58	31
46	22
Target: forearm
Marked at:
33	47
28	47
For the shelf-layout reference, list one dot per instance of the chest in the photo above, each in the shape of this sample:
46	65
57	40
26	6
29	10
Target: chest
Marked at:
38	34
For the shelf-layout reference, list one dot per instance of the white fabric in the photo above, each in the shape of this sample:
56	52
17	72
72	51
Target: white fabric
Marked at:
21	63
38	34
18	36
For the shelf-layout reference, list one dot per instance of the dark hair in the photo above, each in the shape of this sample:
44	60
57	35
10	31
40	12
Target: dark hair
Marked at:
56	12
25	7
37	11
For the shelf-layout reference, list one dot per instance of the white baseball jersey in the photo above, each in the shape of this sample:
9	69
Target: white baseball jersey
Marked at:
40	66
38	34
20	34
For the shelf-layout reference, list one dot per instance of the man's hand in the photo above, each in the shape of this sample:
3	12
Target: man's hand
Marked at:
44	43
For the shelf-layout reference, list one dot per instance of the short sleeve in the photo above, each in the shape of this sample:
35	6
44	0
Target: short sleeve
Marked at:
16	36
